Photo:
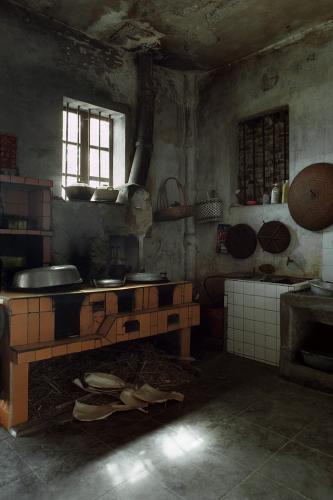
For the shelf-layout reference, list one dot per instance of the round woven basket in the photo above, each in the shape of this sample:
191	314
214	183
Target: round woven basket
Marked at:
310	199
210	210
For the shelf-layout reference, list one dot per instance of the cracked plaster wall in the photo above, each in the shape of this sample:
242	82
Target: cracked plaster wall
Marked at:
300	77
193	141
39	67
166	249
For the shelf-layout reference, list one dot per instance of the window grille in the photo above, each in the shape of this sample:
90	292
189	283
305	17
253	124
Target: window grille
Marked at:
87	147
263	154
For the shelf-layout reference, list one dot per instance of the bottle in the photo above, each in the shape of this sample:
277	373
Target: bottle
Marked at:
265	198
285	190
275	194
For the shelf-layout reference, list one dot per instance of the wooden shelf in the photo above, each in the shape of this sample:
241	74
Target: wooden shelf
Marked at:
25	232
17	179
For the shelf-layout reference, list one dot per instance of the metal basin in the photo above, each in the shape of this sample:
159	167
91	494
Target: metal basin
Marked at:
324	288
47	277
146	277
319	361
79	192
108	283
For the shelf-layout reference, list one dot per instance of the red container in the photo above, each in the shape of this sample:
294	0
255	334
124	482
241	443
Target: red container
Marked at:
215	320
8	147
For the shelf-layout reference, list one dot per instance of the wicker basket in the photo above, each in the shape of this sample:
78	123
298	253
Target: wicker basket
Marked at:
210	210
164	211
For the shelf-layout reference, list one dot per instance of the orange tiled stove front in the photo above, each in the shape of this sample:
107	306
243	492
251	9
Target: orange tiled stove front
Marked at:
29	334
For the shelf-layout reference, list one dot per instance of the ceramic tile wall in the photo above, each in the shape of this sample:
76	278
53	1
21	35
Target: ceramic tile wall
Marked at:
327	257
253	319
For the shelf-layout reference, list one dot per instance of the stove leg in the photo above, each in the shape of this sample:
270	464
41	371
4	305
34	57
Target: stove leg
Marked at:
18	394
185	342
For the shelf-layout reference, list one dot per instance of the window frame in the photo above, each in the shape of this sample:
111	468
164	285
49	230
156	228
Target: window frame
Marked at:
84	146
271	162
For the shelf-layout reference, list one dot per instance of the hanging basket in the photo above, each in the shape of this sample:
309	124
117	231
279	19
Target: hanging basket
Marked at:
167	212
210	210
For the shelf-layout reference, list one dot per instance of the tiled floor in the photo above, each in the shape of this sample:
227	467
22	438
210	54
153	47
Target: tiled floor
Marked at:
242	433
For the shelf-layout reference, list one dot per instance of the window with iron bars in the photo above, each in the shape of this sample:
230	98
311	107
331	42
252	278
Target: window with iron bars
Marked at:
263	154
87	147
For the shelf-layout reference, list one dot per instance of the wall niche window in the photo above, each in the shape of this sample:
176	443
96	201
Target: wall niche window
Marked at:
93	145
263	154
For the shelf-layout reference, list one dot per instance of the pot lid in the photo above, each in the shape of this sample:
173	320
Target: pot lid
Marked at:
145	277
310	197
108	283
274	237
241	241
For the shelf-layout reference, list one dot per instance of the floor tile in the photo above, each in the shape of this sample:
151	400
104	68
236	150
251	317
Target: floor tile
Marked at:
259	487
11	465
238	415
3	434
206	416
198	473
283	415
319	434
51	446
143	487
203	420
152	445
120	421
89	475
246	443
302	469
25	488
122	436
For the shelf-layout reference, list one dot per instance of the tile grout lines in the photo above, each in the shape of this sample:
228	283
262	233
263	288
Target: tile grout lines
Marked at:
258	470
289	440
293	438
25	462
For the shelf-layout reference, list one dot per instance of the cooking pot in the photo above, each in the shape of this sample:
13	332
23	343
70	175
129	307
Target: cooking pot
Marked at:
47	277
105	193
79	192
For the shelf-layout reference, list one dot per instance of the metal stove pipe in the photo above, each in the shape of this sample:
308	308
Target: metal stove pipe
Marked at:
144	143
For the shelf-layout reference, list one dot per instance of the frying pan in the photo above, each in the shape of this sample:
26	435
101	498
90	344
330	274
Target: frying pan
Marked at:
241	241
274	237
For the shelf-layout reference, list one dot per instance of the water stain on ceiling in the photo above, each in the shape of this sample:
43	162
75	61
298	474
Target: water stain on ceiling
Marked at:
187	33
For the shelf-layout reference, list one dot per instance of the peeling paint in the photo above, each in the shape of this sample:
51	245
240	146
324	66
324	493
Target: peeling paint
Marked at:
111	18
269	81
136	34
187	34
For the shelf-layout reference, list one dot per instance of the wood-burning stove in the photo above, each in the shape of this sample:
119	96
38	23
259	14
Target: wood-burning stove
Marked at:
306	325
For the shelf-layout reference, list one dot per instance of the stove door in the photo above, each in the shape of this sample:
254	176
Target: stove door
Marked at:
67	315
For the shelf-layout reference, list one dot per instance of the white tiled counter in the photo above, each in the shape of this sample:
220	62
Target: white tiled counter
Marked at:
253	319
